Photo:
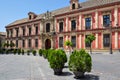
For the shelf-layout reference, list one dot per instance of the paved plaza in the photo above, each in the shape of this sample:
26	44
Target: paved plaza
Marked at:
23	67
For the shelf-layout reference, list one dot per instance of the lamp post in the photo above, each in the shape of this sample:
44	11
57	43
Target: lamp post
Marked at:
110	37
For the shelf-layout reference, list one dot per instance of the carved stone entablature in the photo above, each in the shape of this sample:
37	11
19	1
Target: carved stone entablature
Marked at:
106	12
87	15
60	20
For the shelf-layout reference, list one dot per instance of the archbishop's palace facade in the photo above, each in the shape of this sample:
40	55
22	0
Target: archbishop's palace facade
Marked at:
74	23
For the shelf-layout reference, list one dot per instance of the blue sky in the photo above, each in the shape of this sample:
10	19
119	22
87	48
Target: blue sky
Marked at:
11	10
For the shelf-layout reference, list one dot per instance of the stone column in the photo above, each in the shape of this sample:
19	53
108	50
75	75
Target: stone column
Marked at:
116	40
116	15
80	38
96	19
67	24
96	42
80	22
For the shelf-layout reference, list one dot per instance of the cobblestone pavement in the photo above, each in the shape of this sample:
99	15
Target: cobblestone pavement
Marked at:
19	67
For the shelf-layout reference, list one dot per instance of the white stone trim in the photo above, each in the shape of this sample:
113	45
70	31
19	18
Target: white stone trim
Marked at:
96	42
96	19
116	15
116	40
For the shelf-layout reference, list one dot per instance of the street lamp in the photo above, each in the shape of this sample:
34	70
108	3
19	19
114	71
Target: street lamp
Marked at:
110	26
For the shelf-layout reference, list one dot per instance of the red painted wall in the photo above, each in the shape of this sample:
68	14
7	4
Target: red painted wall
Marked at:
113	40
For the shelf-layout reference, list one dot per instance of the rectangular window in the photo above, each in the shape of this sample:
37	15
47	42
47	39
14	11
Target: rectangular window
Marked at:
60	41
29	30
23	43
11	33
36	43
61	27
106	20
29	43
73	25
16	43
23	31
17	32
87	23
73	40
7	33
36	30
106	40
48	27
87	44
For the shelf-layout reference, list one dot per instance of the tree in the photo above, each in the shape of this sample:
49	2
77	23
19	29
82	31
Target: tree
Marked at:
69	44
89	39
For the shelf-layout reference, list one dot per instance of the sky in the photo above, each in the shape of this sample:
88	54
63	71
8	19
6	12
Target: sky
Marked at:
11	10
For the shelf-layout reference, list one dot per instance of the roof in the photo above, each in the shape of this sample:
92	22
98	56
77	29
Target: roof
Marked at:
3	33
83	5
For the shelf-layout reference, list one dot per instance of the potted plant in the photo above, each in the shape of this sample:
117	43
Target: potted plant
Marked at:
40	52
23	52
57	59
80	62
34	52
15	51
28	52
19	51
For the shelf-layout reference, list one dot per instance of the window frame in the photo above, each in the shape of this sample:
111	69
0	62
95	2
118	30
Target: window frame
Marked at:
73	24
48	27
106	23
60	41
106	41
73	41
61	26
88	23
36	43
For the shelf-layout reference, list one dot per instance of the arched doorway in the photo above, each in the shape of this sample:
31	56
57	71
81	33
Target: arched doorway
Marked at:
47	44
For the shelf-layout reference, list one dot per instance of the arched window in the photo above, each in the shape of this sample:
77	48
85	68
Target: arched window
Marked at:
48	27
73	6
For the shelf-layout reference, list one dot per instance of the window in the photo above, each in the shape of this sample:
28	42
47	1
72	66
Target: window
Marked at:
23	31
73	40
60	26
30	17
11	33
106	40
17	31
73	6
16	43
87	44
23	43
7	33
106	20
60	41
36	30
36	42
48	27
73	24
29	30
87	23
29	43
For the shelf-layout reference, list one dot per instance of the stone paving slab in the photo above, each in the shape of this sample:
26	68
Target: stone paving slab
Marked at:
19	67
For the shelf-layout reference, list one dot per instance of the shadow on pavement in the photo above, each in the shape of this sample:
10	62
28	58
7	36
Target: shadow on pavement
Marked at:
66	74
89	77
